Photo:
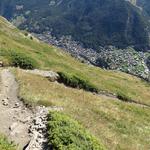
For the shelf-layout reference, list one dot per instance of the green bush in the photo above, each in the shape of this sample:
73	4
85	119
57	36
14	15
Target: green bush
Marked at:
18	59
5	145
26	33
76	82
123	97
22	60
66	134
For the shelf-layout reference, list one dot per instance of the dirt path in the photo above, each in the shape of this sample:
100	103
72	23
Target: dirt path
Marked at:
15	118
25	127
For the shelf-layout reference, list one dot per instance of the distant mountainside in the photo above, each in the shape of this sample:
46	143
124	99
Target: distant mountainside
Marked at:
145	5
92	23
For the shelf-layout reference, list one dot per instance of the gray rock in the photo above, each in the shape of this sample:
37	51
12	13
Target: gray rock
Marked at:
52	76
13	126
5	102
16	105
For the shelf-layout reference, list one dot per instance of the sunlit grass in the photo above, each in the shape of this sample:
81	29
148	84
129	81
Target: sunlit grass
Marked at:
119	125
52	58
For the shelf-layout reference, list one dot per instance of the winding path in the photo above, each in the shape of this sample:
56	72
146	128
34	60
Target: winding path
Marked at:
15	118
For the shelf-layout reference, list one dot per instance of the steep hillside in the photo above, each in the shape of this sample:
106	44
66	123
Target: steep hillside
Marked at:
116	112
16	45
87	21
118	125
94	31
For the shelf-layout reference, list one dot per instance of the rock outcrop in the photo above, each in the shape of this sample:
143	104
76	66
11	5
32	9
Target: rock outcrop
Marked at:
52	76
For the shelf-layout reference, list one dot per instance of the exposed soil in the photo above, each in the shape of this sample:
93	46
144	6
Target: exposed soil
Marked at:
21	125
15	118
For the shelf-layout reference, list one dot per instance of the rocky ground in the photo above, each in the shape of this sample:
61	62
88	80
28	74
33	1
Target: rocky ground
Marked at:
15	118
126	60
52	76
24	126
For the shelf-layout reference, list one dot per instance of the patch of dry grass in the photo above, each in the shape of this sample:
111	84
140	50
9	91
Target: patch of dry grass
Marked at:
117	124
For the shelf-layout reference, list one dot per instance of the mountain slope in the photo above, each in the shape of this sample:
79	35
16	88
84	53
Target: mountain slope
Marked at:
96	32
15	44
92	23
145	5
117	124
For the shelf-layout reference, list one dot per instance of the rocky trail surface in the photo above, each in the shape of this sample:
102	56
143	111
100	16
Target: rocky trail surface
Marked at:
15	118
23	126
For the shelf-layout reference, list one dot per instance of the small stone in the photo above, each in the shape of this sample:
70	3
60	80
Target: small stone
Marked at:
16	105
13	126
5	103
26	120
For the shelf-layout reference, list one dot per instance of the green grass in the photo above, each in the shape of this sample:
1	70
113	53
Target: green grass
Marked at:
65	133
5	145
51	58
18	59
123	97
118	125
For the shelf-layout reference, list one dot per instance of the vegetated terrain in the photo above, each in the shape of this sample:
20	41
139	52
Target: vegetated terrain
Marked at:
145	4
93	26
5	145
116	124
35	54
87	21
65	133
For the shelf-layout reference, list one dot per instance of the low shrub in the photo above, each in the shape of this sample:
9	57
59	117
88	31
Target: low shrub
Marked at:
22	60
18	59
76	82
26	33
123	97
66	134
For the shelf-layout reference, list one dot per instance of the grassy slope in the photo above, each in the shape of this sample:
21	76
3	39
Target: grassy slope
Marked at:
64	133
51	58
118	125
